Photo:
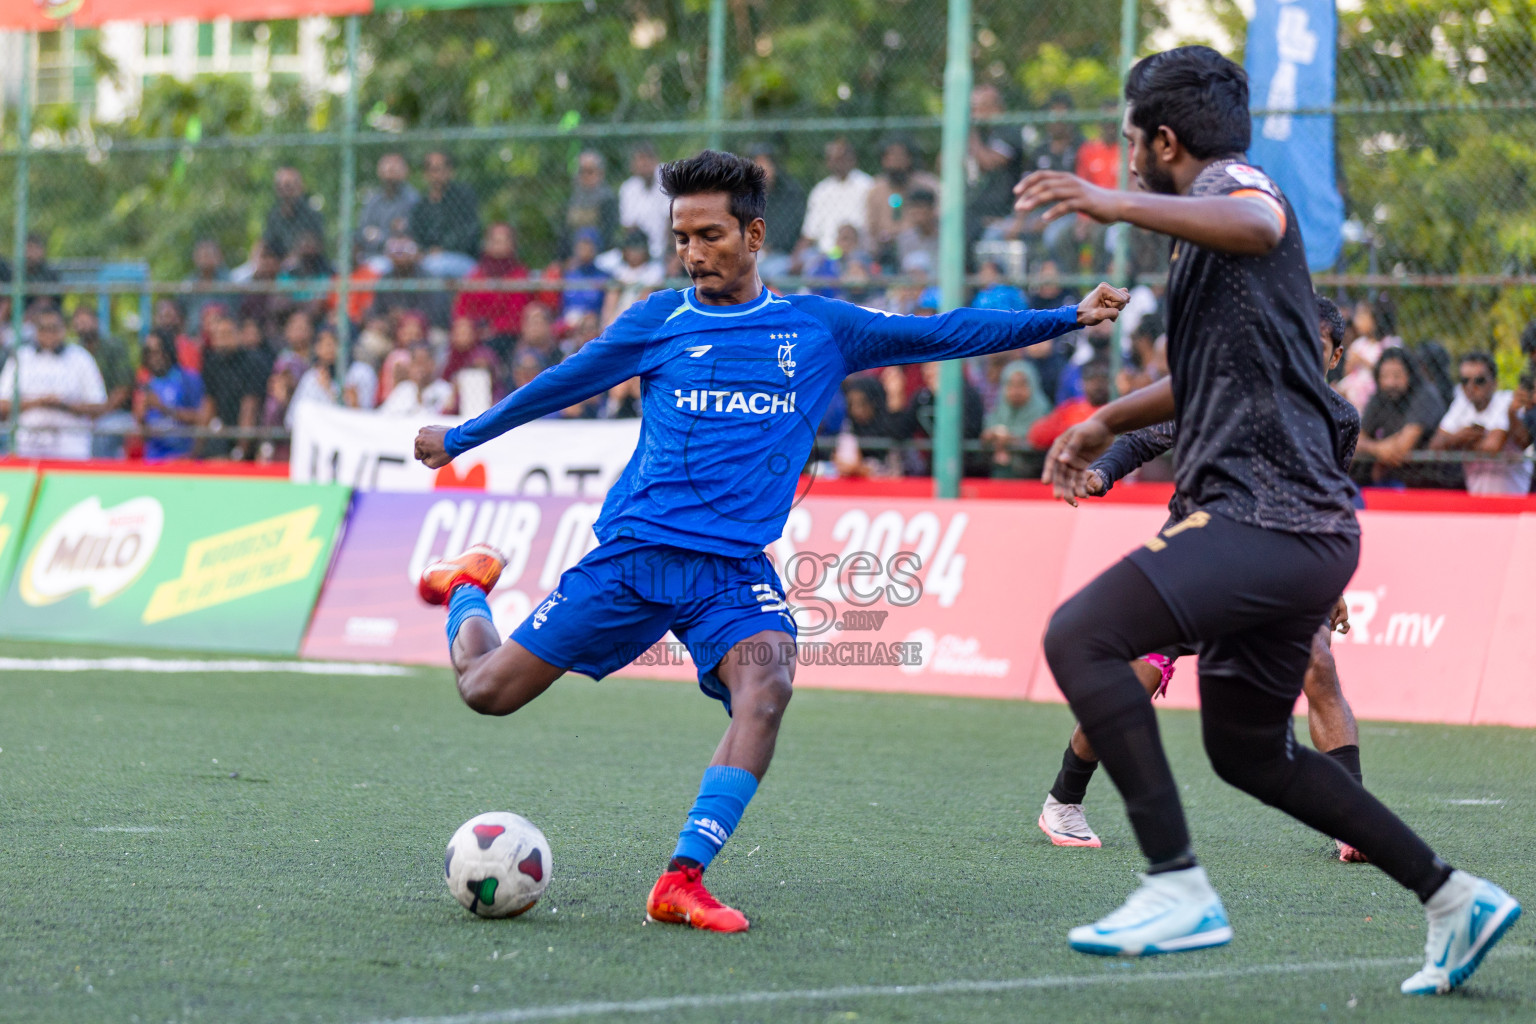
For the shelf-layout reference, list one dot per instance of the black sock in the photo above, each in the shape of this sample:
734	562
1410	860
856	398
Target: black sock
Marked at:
1348	757
1182	862
1072	781
679	863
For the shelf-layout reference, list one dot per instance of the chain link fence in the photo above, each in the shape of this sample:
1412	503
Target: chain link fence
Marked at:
246	171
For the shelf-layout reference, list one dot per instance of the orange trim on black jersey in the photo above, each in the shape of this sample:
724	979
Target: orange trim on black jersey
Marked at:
1269	200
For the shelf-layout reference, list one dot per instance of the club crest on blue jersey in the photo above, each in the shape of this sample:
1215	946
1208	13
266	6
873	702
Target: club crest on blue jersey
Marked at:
786	351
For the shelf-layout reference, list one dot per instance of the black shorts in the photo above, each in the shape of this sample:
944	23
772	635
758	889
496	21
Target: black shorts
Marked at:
1249	599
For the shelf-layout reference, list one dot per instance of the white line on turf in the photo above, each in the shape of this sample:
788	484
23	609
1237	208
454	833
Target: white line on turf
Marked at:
662	1004
129	828
182	665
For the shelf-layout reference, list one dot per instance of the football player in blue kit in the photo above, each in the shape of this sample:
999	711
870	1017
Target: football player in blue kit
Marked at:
734	381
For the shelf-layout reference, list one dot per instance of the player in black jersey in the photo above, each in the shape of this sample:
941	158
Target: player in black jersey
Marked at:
1329	717
1266	538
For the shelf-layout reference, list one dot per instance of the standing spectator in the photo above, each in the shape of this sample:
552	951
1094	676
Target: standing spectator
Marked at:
842	197
1074	410
637	273
786	203
538	334
233	384
920	227
1359	381
582	266
1478	421
1098	159
208	278
293	213
445	222
39	271
60	388
116	417
592	206
308	262
642	205
169	398
1400	418
422	392
169	325
993	165
1058	151
1020	405
404	259
386	209
267	308
889	194
500	312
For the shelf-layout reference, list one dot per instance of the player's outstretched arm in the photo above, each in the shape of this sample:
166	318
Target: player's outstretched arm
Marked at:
1128	453
872	337
1073	453
609	359
1247	225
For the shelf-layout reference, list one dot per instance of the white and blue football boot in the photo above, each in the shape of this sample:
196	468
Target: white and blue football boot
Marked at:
1172	912
1466	917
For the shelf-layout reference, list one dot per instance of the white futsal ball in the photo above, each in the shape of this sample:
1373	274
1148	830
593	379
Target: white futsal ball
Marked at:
497	864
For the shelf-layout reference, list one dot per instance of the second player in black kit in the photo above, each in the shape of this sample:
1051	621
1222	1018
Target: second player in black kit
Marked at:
1267	537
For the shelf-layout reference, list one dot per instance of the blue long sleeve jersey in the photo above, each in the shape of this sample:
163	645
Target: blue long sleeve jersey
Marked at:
731	399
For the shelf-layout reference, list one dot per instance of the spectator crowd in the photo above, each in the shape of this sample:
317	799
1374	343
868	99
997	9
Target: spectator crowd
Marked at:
434	329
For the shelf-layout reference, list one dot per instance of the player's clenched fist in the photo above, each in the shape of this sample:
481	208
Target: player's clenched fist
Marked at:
1103	303
429	447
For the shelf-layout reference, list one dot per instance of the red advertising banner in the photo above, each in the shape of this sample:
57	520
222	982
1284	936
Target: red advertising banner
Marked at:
922	596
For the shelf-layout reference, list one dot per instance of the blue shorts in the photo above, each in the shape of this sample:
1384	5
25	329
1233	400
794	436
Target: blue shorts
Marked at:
613	605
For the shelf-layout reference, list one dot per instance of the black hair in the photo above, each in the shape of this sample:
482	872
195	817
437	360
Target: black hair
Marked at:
1199	94
1329	314
1095	368
712	171
1481	357
1399	355
1385	315
922	196
1150	326
906	142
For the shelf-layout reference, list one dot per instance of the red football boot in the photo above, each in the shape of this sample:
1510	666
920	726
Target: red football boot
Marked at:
480	566
679	897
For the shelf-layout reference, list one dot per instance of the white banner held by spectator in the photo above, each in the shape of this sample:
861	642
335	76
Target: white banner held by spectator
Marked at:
373	452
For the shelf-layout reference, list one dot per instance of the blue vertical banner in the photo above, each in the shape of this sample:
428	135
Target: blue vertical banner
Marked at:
1291	48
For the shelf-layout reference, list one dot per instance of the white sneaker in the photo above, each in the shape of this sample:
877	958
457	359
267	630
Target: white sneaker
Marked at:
1066	825
1172	912
1466	917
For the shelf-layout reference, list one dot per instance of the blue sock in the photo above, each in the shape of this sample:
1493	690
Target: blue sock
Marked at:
723	797
466	602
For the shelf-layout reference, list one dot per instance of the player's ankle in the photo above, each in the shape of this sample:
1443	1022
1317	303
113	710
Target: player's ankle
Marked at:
1182	862
684	864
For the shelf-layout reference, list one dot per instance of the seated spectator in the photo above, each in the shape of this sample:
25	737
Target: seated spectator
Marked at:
1478	421
1522	414
445	223
867	418
268	308
307	262
410	330
637	274
582	267
500	312
1098	159
422	392
1078	242
262	352
116	417
920	228
643	207
169	398
992	293
1019	407
1399	419
538	334
319	383
298	341
386	210
209	277
915	419
842	197
1359	380
293	214
234	378
1074	410
593	205
359	289
404	260
580	330
786	198
994	164
890	196
466	352
60	390
168	323
622	401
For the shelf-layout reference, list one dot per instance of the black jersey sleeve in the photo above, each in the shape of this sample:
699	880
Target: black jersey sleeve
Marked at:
1133	450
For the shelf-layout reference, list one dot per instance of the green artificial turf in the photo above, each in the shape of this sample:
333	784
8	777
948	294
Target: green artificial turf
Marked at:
232	848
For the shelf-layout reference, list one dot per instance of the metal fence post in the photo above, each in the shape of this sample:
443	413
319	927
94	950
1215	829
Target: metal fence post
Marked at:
956	131
1122	268
347	199
19	236
715	82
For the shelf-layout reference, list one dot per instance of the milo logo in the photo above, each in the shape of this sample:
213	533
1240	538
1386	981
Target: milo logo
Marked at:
95	549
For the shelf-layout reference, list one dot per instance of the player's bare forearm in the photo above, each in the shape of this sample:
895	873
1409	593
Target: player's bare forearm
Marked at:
430	448
1141	408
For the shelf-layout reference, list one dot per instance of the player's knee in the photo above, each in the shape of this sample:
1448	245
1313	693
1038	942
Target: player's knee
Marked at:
1256	764
483	694
764	698
1322	679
